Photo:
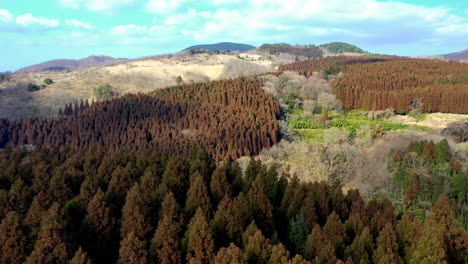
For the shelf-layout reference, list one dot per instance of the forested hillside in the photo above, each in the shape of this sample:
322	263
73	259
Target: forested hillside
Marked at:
98	207
229	119
341	47
387	82
308	51
440	86
333	64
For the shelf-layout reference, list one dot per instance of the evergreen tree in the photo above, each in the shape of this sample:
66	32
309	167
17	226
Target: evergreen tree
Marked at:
298	260
412	192
200	247
12	239
430	247
80	257
219	185
387	247
442	151
334	231
132	250
197	196
98	227
360	251
279	255
454	239
260	207
134	214
230	255
50	247
165	244
314	243
237	218
298	233
256	246
429	152
408	232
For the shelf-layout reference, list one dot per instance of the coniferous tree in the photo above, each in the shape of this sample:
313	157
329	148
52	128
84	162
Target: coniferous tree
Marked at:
219	185
230	255
314	243
430	247
12	239
132	250
256	246
165	244
260	207
200	246
334	231
279	254
134	214
408	232
298	233
298	260
98	226
387	247
80	257
412	192
197	196
50	247
360	251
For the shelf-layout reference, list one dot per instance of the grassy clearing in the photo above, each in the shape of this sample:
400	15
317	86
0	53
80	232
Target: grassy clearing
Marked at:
312	126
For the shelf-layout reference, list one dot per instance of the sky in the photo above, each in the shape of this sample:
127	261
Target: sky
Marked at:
34	31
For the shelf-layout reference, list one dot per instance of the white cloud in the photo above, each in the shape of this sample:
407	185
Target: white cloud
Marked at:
27	20
97	5
5	16
132	30
78	24
164	6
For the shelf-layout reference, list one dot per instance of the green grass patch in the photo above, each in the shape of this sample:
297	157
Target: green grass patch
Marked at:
311	127
311	135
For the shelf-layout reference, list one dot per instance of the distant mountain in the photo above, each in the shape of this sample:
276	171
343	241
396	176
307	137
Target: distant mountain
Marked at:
341	47
223	46
456	56
65	64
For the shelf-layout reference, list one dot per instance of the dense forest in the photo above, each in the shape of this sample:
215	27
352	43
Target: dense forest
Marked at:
402	84
440	86
95	206
229	119
341	47
331	64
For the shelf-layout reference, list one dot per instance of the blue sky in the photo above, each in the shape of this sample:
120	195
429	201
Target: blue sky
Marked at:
33	31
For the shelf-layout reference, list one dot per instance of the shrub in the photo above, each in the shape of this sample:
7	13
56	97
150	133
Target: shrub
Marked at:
105	91
179	80
33	87
48	81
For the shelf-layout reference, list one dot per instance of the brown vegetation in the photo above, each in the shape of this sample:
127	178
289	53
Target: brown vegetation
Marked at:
228	118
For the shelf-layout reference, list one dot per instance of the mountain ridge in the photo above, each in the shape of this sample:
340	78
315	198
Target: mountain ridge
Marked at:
68	64
223	46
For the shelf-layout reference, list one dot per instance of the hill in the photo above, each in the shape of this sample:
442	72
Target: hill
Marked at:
304	51
223	46
457	56
230	119
65	64
341	47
